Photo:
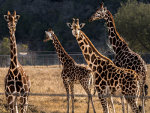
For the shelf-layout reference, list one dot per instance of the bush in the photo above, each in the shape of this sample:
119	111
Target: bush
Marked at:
132	21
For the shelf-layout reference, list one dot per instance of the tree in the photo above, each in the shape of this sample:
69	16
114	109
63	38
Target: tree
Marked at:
5	46
132	22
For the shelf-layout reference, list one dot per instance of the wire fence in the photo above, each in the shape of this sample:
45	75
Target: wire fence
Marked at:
39	59
50	58
56	102
76	95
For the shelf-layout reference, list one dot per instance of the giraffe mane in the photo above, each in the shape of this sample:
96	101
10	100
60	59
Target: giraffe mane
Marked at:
96	51
62	47
115	27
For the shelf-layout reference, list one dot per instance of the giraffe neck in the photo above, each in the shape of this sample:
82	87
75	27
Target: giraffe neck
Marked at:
13	51
89	52
63	56
117	42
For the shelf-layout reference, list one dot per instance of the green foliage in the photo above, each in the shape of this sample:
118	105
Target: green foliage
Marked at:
5	46
132	22
36	16
22	47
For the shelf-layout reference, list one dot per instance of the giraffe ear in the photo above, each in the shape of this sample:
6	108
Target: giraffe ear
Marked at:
17	17
14	13
82	25
8	13
69	25
105	8
6	17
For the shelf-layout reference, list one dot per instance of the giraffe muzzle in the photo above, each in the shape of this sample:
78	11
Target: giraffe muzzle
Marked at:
90	20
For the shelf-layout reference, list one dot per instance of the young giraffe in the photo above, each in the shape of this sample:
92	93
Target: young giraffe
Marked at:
17	83
124	56
107	75
72	72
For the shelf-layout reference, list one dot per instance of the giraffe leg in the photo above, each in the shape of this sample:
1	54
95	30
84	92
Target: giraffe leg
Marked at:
123	105
66	85
110	101
16	106
127	108
103	101
110	105
132	103
143	103
142	94
11	102
85	87
24	104
72	95
143	100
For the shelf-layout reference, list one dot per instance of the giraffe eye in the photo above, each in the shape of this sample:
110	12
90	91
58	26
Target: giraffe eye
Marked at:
15	20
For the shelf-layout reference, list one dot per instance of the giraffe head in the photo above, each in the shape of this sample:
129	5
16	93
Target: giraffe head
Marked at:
12	20
76	27
101	13
49	35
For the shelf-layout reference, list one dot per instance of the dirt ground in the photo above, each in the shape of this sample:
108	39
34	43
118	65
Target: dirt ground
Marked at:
47	80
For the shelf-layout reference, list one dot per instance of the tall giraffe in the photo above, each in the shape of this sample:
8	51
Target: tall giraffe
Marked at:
124	56
72	72
17	83
107	75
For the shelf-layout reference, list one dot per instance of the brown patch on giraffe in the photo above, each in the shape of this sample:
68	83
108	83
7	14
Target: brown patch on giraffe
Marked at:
10	83
94	68
85	51
79	38
14	50
12	88
85	42
15	72
95	62
90	50
82	47
99	69
12	65
81	44
87	57
90	65
93	57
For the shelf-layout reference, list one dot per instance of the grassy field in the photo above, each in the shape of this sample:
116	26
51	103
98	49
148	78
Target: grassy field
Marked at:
47	79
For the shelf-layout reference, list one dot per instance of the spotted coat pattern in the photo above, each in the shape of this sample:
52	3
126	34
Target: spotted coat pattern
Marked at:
17	83
71	72
107	74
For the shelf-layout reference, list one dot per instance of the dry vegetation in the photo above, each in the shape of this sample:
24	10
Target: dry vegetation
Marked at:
48	80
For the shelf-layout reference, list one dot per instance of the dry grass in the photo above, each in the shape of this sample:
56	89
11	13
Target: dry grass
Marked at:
48	80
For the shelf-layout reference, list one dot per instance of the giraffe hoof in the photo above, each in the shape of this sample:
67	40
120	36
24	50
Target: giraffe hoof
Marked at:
140	108
146	89
87	111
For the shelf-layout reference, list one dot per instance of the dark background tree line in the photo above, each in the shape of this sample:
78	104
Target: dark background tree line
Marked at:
132	20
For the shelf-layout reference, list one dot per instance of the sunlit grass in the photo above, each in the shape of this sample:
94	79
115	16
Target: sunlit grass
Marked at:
47	79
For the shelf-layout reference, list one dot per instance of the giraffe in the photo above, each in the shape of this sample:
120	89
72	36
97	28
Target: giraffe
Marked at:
124	56
17	83
71	72
107	74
